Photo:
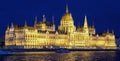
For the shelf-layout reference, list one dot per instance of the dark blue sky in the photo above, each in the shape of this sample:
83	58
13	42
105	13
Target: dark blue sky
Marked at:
104	13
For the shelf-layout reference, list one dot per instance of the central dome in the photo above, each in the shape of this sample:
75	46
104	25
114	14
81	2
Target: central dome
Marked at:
67	22
67	17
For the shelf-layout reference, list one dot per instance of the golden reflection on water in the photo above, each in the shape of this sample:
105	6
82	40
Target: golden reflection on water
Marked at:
72	56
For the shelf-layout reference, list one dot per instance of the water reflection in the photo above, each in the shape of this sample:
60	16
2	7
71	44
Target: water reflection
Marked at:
72	56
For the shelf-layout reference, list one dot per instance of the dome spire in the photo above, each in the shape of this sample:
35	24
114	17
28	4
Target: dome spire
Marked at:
67	9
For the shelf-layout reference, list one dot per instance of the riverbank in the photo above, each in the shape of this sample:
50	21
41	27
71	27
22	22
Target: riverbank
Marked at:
37	51
34	50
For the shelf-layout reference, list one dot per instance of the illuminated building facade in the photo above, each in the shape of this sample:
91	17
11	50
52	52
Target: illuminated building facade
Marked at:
44	35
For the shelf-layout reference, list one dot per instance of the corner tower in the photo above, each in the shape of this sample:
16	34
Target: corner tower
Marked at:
67	22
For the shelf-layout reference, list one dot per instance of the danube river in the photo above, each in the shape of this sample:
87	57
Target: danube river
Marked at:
72	56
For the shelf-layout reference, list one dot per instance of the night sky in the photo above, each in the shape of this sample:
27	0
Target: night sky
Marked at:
105	14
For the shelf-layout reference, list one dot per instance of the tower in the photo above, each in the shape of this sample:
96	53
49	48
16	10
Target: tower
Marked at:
10	36
67	22
85	27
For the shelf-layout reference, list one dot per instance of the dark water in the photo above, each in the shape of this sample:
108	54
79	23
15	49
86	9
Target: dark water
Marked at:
72	56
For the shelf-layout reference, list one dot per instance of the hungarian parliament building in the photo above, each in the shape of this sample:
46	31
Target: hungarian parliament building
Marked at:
44	35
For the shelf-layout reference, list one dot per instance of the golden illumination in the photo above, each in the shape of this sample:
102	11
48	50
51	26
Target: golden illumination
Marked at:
44	35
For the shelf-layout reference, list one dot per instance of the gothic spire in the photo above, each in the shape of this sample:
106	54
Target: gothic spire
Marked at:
85	22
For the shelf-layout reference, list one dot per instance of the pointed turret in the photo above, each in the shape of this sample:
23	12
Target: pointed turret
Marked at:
35	21
56	32
12	26
85	22
93	25
107	30
25	25
67	9
53	25
78	24
97	35
44	19
52	20
112	31
8	28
